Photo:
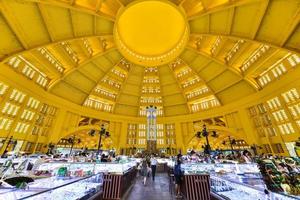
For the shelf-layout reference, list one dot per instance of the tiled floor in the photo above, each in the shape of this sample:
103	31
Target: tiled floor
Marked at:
154	190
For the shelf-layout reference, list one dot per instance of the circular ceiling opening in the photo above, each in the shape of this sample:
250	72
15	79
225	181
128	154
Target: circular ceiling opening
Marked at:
151	33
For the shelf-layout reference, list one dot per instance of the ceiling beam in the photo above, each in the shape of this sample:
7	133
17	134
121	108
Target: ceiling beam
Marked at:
290	29
95	25
230	68
43	62
71	85
45	20
50	44
204	4
120	2
98	6
56	81
72	23
235	37
261	14
72	2
140	91
122	86
256	67
216	75
205	82
99	81
221	7
231	20
86	76
178	85
74	7
229	85
12	22
182	2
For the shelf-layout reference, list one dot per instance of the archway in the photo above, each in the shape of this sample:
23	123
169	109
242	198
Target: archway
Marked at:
83	138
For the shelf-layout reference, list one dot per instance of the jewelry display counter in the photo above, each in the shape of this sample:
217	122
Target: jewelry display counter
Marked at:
118	177
58	188
235	181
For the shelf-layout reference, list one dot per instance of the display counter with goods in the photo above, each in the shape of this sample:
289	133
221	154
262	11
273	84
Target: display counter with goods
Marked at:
56	187
235	181
106	167
281	175
74	179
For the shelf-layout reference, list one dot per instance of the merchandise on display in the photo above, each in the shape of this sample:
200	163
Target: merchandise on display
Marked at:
57	188
115	168
281	175
236	181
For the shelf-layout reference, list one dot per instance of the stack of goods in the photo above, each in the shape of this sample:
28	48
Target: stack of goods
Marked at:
281	175
42	173
81	173
62	172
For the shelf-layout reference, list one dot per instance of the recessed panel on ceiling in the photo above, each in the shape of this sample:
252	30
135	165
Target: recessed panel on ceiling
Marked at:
176	110
131	89
91	70
170	89
104	26
245	19
103	63
277	19
8	41
80	81
188	55
220	21
223	80
200	24
200	62
83	24
294	41
59	21
172	100
114	56
27	18
235	92
126	110
127	99
69	93
211	70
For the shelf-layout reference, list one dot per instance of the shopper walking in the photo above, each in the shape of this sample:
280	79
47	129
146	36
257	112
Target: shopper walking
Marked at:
178	174
144	170
153	166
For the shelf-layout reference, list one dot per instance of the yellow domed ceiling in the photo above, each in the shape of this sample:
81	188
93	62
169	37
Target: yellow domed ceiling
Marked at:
118	56
151	33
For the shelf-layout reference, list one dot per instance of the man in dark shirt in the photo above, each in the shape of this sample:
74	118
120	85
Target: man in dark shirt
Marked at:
178	174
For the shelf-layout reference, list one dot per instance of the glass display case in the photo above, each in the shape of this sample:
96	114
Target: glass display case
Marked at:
235	181
56	188
222	168
109	167
236	190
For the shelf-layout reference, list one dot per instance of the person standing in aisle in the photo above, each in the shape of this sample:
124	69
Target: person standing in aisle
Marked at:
153	166
144	170
178	174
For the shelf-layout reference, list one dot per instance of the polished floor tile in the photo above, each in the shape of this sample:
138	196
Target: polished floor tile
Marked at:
154	190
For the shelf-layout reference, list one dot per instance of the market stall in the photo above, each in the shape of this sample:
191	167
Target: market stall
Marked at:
57	187
74	180
118	177
234	181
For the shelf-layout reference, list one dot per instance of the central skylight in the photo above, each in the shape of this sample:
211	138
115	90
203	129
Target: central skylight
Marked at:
151	33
